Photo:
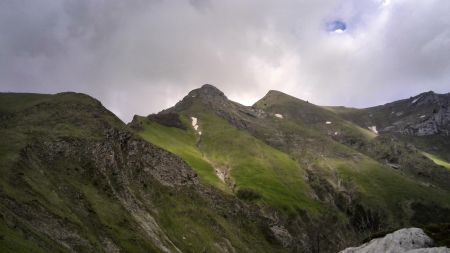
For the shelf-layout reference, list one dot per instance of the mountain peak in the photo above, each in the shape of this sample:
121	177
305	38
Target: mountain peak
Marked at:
207	94
275	92
207	90
276	97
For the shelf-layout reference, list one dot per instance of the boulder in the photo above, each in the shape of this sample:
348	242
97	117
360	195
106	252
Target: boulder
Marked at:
406	240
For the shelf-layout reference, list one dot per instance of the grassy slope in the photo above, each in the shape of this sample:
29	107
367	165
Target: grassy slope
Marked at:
311	116
31	183
385	188
438	160
254	164
182	143
258	166
180	215
381	186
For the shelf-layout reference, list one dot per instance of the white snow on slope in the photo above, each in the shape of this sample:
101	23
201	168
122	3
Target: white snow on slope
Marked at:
415	100
373	129
195	125
328	122
278	115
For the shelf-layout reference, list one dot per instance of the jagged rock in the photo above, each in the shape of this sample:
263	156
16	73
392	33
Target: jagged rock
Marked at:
282	235
169	119
404	240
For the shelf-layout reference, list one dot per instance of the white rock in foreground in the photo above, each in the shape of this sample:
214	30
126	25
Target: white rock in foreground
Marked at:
407	240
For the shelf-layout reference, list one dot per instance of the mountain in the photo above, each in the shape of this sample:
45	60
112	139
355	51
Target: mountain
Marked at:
212	175
423	115
74	178
325	181
423	120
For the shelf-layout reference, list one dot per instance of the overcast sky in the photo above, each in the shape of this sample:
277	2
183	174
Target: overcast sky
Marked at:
141	56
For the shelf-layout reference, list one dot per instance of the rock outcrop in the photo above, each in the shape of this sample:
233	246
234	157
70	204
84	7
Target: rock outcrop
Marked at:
406	240
423	115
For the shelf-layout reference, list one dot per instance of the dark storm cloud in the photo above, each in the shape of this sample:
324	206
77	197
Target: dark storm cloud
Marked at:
141	56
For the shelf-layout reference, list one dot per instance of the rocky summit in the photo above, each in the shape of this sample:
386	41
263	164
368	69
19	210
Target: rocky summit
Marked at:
212	175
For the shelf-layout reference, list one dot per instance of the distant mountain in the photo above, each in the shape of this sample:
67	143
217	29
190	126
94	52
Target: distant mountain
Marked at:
212	175
423	120
423	115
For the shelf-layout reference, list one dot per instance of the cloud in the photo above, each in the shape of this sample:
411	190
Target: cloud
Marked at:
142	56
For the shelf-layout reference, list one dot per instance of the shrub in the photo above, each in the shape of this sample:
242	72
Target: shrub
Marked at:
248	194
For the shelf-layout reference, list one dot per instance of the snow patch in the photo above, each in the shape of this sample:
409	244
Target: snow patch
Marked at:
336	133
423	116
280	116
221	175
328	122
373	129
195	125
415	100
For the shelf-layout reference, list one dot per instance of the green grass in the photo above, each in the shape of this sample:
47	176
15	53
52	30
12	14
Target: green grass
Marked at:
182	143
17	241
253	164
192	225
437	160
117	222
386	189
74	192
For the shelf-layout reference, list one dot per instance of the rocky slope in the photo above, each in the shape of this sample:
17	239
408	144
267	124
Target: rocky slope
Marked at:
422	115
423	120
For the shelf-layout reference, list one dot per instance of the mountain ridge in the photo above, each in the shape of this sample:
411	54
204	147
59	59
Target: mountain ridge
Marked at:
294	127
283	175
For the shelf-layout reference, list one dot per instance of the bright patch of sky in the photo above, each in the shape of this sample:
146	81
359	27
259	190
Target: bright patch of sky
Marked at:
336	26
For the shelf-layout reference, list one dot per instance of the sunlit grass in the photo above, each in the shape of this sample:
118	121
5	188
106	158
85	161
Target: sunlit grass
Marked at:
437	160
